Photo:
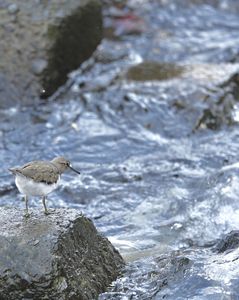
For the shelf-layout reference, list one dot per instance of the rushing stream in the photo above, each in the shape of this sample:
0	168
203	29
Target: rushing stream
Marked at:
152	123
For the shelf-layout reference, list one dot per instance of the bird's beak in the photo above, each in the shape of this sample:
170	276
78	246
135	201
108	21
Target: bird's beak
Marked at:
78	172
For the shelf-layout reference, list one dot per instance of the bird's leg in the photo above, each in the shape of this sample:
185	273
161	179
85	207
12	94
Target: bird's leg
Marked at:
26	203
46	212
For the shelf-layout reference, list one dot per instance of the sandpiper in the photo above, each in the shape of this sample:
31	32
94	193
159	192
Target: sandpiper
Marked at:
39	178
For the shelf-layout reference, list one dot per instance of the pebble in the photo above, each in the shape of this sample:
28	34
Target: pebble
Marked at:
38	65
13	9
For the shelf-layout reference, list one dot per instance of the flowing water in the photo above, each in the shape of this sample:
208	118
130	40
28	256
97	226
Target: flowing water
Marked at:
152	123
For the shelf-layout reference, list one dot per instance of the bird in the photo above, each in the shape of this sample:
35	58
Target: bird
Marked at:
39	178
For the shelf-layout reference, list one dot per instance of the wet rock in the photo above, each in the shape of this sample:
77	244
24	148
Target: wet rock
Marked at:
149	70
220	105
229	242
232	85
146	283
59	256
42	41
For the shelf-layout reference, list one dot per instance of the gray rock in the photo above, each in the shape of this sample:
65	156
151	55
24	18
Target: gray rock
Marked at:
61	33
59	256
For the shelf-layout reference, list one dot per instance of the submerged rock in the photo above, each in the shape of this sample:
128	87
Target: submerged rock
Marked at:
229	242
59	256
149	70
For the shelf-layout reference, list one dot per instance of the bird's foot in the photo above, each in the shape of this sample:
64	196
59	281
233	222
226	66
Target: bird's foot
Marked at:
46	212
27	215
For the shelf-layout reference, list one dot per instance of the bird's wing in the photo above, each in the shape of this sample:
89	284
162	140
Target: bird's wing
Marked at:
39	171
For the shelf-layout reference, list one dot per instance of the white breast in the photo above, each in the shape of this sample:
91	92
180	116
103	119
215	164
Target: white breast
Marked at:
28	187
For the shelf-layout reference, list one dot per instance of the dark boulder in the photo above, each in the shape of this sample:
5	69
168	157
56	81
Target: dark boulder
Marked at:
42	41
59	256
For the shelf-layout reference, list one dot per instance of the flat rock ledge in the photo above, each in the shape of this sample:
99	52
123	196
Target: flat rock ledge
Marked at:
59	256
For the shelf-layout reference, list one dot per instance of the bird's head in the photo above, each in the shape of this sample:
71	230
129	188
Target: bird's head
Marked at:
62	164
